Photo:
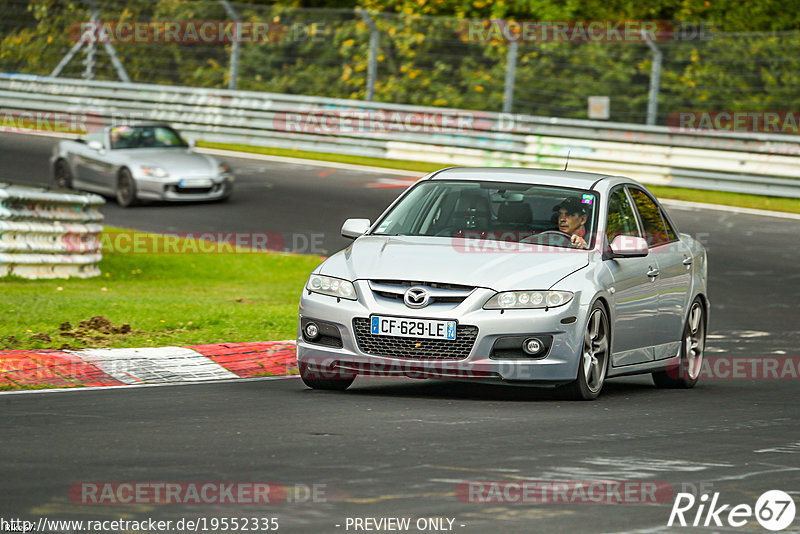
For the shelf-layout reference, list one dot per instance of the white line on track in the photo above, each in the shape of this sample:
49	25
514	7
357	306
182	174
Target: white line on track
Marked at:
129	386
686	205
315	162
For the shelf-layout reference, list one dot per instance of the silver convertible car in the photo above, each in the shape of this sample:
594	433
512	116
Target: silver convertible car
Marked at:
144	161
518	276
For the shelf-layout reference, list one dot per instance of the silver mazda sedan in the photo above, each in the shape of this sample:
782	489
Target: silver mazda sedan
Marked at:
517	276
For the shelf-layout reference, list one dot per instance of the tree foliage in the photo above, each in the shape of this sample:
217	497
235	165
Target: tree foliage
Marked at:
747	58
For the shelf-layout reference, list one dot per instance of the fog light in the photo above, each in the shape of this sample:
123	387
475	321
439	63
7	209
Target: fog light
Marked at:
312	330
532	346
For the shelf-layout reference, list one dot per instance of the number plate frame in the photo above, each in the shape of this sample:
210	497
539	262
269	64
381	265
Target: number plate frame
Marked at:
385	325
195	183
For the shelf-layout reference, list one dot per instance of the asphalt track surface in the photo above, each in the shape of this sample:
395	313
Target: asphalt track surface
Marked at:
400	448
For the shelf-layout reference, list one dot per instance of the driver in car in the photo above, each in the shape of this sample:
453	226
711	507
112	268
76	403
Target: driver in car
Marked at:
571	220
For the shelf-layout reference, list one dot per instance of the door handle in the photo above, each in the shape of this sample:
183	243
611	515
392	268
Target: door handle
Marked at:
687	261
652	273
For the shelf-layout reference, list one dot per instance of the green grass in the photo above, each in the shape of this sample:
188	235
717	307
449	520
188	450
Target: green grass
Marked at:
167	299
788	205
419	166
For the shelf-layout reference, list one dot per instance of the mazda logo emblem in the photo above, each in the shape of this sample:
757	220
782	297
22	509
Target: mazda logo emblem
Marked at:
416	297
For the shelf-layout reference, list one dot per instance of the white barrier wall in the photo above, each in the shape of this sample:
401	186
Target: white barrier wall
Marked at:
49	234
756	163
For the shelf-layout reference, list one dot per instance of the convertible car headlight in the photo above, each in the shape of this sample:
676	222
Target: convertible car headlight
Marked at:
328	285
155	172
527	299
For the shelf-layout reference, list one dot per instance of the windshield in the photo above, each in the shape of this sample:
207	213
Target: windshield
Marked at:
145	137
495	210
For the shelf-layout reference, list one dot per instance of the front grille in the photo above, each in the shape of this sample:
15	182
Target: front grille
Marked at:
407	347
193	190
399	297
435	285
441	293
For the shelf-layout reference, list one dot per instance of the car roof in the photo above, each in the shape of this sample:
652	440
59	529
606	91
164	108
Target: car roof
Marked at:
574	179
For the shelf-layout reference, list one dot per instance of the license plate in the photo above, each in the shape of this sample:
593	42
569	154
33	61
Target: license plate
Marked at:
197	182
407	327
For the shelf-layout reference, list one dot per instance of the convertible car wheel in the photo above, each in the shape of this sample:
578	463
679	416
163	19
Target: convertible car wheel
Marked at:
333	380
126	189
61	175
594	358
687	372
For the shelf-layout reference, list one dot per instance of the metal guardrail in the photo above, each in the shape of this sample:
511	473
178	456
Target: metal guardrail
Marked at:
48	234
756	163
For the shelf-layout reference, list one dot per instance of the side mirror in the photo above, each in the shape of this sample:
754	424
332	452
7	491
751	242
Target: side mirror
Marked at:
192	143
628	246
354	228
96	145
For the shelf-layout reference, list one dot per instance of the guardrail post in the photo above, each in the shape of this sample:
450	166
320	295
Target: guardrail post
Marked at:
372	63
511	75
655	81
91	46
235	48
89	38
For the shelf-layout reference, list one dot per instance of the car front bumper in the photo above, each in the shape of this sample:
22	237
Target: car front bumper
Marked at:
557	365
170	190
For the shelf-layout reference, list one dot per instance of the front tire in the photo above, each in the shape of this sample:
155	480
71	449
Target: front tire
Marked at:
594	360
62	176
126	189
693	344
330	380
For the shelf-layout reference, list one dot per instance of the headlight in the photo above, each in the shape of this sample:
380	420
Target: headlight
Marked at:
527	299
224	169
328	285
155	172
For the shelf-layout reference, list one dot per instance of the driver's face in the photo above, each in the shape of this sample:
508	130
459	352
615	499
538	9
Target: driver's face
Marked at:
569	222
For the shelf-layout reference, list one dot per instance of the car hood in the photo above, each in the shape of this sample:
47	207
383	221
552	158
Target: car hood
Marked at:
174	160
491	264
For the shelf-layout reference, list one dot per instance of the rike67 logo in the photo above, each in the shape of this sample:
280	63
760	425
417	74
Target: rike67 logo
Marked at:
774	510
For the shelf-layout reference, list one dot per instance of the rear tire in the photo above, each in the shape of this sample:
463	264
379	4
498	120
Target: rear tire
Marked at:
62	176
331	380
693	343
594	360
126	189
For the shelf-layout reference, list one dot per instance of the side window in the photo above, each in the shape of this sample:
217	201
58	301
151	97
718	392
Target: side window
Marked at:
655	233
672	235
621	220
